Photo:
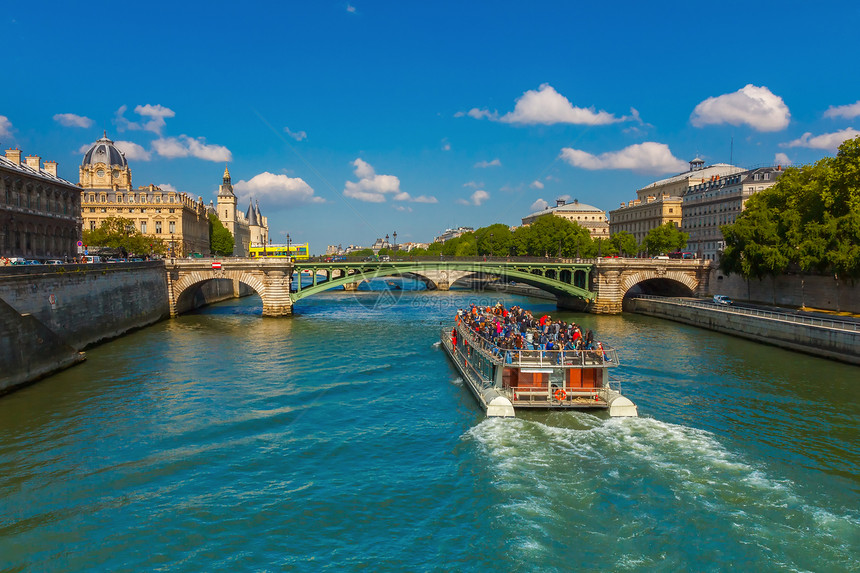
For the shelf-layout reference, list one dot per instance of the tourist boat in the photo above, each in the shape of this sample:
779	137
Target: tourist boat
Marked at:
504	381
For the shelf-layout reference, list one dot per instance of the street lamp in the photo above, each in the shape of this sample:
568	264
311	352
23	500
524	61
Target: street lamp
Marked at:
395	240
386	242
172	252
289	253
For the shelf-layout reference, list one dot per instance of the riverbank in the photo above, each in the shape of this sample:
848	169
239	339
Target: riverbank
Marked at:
819	337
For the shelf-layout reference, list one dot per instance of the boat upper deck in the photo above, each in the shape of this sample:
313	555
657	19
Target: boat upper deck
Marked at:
529	356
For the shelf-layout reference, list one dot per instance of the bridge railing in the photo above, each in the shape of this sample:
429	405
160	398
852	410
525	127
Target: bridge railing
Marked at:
784	316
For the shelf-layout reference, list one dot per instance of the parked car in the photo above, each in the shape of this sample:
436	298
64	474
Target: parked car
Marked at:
54	262
660	257
722	299
384	258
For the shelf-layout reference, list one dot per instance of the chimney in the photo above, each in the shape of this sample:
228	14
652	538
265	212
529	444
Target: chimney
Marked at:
559	202
14	155
33	161
650	198
51	168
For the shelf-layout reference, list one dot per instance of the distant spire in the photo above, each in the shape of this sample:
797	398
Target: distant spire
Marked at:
226	172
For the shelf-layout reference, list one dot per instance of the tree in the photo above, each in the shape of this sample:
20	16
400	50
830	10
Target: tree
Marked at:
624	243
220	239
121	234
495	240
809	222
664	239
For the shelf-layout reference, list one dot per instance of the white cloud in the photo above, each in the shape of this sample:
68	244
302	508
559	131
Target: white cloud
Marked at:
6	127
168	187
755	106
72	120
648	157
276	190
479	114
485	164
536	184
155	113
184	146
828	141
371	187
849	111
475	198
350	8
446	146
131	150
781	159
402	208
297	135
425	199
473	184
546	106
538	205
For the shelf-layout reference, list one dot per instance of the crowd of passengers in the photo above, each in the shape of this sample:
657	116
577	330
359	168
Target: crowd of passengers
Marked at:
516	329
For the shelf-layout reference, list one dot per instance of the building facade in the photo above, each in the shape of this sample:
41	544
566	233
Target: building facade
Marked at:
710	204
250	228
40	213
107	191
592	218
660	202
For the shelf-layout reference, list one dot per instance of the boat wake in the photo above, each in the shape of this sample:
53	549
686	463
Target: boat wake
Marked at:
659	481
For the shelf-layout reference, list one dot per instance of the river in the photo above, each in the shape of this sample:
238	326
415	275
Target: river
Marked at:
342	440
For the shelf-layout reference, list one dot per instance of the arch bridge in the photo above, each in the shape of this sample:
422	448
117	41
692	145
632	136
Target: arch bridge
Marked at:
597	285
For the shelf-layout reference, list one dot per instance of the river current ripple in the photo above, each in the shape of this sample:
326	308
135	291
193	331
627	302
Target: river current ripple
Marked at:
342	439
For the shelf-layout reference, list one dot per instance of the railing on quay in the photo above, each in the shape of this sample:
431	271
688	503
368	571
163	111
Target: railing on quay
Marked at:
808	320
604	355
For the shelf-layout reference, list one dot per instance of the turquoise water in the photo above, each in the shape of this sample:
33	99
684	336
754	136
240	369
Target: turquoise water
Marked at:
343	440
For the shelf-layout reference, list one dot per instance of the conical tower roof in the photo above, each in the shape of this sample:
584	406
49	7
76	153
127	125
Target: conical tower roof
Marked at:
251	215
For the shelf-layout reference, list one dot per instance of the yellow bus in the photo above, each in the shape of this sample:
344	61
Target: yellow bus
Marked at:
300	252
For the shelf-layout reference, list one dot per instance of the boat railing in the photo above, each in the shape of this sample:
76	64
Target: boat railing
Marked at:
603	356
556	395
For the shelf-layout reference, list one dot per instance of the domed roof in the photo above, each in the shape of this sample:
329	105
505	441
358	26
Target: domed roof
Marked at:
104	151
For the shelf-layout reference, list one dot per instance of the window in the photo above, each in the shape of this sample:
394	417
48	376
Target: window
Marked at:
143	226
92	225
158	227
172	227
119	198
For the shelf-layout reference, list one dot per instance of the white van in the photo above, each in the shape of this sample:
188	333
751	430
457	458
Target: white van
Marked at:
91	259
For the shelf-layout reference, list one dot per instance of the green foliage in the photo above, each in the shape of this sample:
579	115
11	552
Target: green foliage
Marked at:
121	234
808	221
220	239
551	236
495	240
664	239
625	244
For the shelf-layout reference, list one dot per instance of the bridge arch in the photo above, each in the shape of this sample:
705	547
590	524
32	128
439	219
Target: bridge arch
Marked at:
189	283
658	281
533	275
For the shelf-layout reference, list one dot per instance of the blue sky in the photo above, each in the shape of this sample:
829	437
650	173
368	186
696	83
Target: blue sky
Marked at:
351	120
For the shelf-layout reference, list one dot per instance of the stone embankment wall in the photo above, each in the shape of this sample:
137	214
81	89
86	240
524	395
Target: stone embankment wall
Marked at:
821	292
843	345
50	313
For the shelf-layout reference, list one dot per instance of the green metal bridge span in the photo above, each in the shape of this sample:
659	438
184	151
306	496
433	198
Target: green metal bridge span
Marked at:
564	279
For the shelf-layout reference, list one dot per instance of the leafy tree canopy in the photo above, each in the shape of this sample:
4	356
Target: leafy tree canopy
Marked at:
121	234
808	221
220	239
664	239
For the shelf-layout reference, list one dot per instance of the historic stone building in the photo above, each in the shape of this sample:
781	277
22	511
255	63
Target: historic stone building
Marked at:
39	211
710	204
591	218
252	228
660	202
174	217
